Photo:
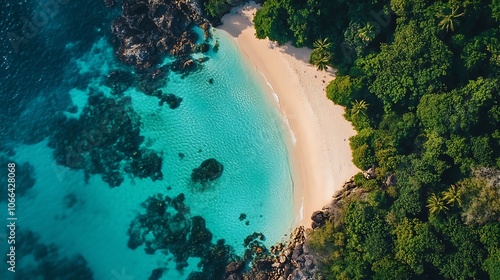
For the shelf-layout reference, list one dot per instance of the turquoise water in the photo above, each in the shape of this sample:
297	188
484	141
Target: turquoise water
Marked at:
231	120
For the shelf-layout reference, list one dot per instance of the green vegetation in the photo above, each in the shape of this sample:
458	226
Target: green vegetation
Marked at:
420	81
321	56
217	8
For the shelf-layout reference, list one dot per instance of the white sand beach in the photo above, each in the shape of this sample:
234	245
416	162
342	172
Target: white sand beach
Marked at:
320	155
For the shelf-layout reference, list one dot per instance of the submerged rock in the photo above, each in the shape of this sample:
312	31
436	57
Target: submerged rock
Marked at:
172	100
119	81
209	170
148	165
150	81
156	274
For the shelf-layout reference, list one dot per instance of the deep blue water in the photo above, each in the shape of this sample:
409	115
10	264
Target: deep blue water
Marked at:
105	213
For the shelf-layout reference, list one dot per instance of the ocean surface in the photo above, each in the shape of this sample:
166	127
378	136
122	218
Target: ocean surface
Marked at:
71	222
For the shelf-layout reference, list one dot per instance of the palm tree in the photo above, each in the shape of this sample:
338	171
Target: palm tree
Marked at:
323	61
367	33
359	107
453	195
321	56
436	204
321	45
446	22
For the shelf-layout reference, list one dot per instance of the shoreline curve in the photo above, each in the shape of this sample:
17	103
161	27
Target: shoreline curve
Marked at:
318	134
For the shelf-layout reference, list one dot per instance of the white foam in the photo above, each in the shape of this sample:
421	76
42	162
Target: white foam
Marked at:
301	211
285	119
290	131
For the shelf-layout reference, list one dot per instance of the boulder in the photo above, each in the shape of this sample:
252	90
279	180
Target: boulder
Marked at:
282	259
319	219
263	265
391	180
234	267
370	173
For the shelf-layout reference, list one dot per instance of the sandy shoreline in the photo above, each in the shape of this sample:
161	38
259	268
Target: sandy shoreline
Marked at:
320	155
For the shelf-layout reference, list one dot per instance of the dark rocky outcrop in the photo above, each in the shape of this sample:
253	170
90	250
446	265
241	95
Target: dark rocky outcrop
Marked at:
290	261
319	218
148	29
209	170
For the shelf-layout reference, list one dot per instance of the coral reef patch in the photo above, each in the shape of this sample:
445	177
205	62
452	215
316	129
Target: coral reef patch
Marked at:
167	225
105	140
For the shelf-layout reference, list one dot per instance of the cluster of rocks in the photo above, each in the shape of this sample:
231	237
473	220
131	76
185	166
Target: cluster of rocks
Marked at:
348	187
370	174
36	260
168	227
283	262
319	218
105	140
331	211
147	29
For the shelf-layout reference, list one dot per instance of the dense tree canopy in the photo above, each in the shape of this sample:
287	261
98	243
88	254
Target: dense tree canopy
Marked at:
420	81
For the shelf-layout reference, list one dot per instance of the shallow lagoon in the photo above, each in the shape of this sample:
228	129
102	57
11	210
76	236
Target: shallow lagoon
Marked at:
230	119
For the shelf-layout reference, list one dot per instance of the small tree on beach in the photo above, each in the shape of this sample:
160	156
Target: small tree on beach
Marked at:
320	56
321	45
322	61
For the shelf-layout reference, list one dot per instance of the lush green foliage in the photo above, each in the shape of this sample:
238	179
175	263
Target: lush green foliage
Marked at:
420	81
217	8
